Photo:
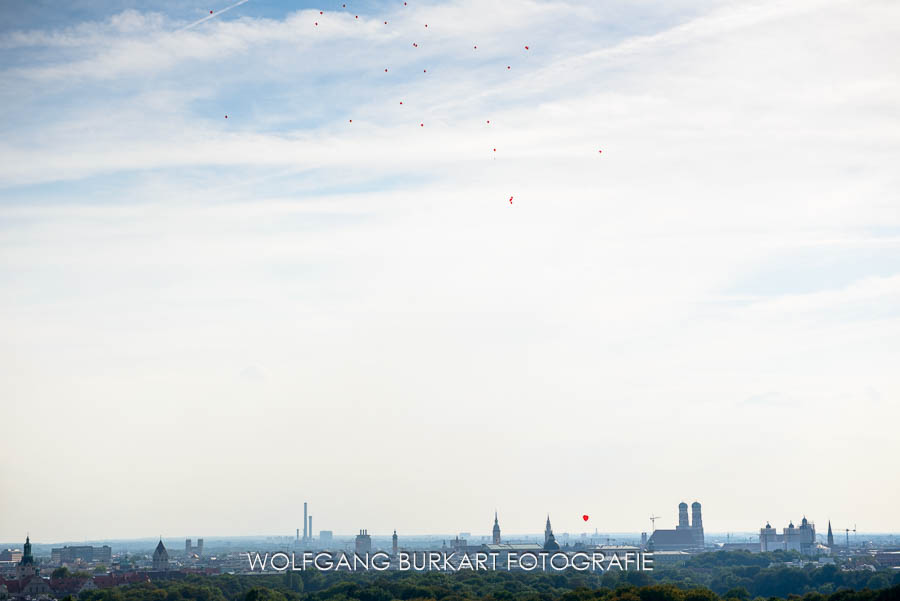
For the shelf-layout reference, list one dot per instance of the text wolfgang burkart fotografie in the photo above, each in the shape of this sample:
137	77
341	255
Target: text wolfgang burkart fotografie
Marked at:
421	561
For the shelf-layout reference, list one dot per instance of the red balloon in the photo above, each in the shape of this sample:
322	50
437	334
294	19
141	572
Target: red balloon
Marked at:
510	199
226	116
526	47
421	125
210	12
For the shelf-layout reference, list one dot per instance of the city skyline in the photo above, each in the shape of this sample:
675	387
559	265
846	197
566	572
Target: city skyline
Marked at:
237	274
494	533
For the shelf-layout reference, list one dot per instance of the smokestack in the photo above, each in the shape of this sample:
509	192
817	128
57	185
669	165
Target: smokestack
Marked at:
310	528
305	521
683	515
696	520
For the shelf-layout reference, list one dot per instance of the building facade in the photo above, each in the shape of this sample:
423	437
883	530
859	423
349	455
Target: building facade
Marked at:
363	542
81	554
802	539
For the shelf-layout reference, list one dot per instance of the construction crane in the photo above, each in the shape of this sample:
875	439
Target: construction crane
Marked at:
847	532
653	519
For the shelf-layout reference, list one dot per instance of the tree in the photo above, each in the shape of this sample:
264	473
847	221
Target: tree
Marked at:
700	594
60	572
263	594
292	581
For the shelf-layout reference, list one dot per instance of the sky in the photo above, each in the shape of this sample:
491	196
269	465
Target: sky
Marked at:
328	296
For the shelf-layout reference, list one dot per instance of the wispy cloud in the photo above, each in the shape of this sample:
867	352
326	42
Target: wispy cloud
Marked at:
213	15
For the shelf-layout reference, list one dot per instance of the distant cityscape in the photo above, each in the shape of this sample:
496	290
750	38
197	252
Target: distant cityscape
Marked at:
56	571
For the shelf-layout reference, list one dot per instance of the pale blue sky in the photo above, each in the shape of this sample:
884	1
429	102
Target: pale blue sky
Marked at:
709	309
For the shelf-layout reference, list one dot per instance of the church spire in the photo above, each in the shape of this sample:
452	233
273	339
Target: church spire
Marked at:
548	531
496	532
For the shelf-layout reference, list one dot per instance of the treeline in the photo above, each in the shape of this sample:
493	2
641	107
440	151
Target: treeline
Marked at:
748	575
701	579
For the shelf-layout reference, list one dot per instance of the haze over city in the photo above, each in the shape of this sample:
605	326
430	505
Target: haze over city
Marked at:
205	321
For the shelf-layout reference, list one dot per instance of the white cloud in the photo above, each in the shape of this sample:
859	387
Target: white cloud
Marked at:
156	258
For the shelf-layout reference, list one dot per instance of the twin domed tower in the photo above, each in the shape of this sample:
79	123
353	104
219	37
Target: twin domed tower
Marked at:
688	534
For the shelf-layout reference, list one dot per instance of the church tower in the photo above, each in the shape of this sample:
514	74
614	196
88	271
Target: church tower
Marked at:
548	531
830	536
496	530
697	525
550	543
25	568
160	558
